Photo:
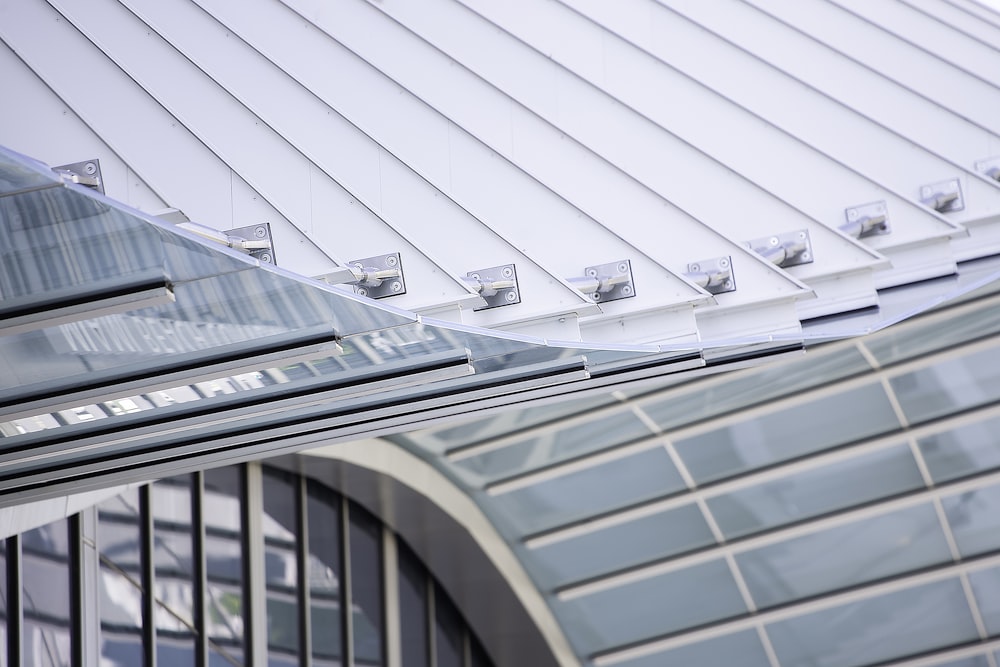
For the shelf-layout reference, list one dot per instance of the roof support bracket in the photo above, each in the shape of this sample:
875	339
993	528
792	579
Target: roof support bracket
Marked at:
989	167
714	275
606	282
379	276
866	220
497	285
255	240
784	250
86	173
943	197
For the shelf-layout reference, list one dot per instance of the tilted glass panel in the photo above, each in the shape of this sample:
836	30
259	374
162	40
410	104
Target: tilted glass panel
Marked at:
986	587
46	640
118	545
224	614
898	344
974	517
844	556
639	541
788	433
365	544
414	628
448	631
601	488
893	625
949	386
556	445
700	401
656	606
173	562
324	574
962	451
20	172
3	599
280	528
740	648
818	491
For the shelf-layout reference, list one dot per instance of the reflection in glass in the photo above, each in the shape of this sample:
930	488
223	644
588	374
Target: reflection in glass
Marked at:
594	490
792	432
986	587
173	563
893	625
844	556
118	540
413	631
224	621
45	580
818	491
323	561
3	602
741	648
636	611
949	386
366	586
974	517
962	451
280	566
447	630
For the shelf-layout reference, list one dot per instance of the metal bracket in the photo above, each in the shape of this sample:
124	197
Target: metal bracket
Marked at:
86	173
784	250
257	241
714	275
378	277
497	285
989	167
606	282
867	220
943	197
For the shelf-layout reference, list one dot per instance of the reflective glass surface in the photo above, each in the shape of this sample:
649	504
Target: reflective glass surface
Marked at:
974	517
820	490
637	611
617	547
3	600
844	556
740	648
962	451
447	631
45	584
413	621
583	493
324	570
556	445
223	502
365	542
893	346
20	172
902	623
986	588
281	567
789	433
118	545
949	386
173	563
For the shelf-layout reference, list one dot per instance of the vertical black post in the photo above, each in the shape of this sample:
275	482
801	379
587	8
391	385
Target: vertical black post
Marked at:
347	622
147	565
199	585
303	601
15	605
76	591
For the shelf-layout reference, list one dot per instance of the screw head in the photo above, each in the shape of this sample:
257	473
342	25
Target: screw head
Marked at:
627	290
925	191
694	267
596	296
260	231
507	272
592	272
773	240
623	267
802	235
852	214
511	296
396	286
264	257
880	208
728	284
362	291
391	260
474	276
805	256
724	262
90	168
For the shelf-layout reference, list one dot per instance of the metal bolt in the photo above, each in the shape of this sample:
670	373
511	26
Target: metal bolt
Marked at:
362	291
925	191
627	290
507	272
802	235
724	262
852	214
264	257
728	284
391	260
880	208
694	267
90	168
511	296
592	272
773	240
623	267
396	286
474	276
260	232
596	296
805	256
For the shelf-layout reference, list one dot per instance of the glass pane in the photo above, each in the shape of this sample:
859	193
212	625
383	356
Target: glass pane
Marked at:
892	345
598	489
844	556
447	630
788	433
173	562
890	626
818	491
19	172
986	587
636	611
280	566
974	517
556	446
742	648
680	407
625	545
224	560
962	451
949	386
45	580
323	516
366	586
118	545
3	602
414	629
